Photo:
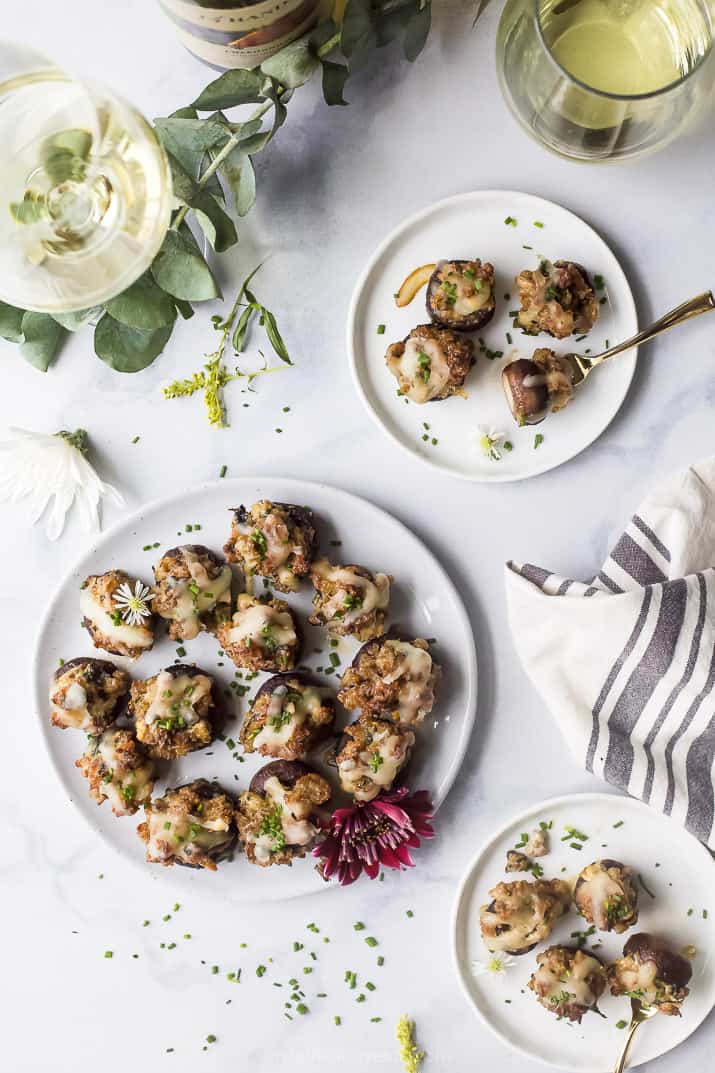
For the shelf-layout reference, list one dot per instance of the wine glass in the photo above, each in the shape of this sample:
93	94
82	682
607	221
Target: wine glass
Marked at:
85	188
605	80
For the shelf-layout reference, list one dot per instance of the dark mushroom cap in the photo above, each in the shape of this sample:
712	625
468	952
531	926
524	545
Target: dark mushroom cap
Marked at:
96	668
277	680
286	771
176	670
670	967
196	549
528	404
579	267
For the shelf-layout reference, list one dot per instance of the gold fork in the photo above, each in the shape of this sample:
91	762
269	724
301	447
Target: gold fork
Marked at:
581	366
639	1014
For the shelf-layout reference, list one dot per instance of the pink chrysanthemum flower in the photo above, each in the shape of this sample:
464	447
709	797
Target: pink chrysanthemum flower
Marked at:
375	833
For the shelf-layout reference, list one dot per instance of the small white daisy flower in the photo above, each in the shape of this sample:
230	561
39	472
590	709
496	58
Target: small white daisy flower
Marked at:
43	469
490	442
133	606
496	966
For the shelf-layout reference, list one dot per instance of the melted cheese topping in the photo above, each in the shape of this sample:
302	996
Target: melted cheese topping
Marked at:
139	779
197	594
297	828
601	887
183	832
467	298
380	763
374	595
69	706
129	636
416	694
575	981
177	696
422	369
285	715
634	976
262	625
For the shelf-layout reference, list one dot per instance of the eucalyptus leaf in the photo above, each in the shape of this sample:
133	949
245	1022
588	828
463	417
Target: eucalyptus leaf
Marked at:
294	65
183	185
417	32
239	174
241	330
143	305
335	75
230	89
42	336
72	322
185	308
481	8
11	323
128	350
181	271
358	31
215	223
64	155
274	336
189	140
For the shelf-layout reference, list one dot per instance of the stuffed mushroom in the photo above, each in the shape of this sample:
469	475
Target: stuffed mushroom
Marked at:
371	755
522	914
87	694
460	295
175	712
193	825
430	363
568	981
287	717
278	817
262	635
536	386
606	896
192	591
118	770
116	613
273	540
557	299
652	973
392	678
349	600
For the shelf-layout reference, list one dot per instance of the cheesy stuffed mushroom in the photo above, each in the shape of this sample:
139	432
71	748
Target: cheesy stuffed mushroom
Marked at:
118	770
87	694
460	295
279	816
430	363
349	600
192	825
391	678
262	635
653	973
116	613
521	914
277	541
287	717
568	982
606	896
175	712
192	591
371	755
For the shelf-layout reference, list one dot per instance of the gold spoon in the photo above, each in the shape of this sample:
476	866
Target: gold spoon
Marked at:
639	1014
582	366
524	382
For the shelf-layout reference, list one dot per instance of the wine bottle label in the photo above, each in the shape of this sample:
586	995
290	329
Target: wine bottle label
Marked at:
243	35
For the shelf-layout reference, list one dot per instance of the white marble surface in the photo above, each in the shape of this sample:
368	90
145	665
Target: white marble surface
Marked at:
330	186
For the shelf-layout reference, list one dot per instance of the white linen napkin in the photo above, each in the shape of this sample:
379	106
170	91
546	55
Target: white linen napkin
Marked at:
626	663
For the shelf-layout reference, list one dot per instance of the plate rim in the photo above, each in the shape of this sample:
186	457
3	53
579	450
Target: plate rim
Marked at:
544	806
357	295
100	539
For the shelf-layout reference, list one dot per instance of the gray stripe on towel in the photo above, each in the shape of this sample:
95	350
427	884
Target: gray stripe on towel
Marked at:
698	768
677	689
648	532
613	674
685	723
535	574
632	558
609	582
645	676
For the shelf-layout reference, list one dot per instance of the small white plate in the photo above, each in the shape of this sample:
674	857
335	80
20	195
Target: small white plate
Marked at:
424	601
675	867
472	225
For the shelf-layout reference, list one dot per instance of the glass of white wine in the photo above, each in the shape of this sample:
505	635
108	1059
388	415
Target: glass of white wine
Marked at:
605	80
85	188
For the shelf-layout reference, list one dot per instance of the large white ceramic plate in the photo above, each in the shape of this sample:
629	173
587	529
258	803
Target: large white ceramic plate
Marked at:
423	601
675	867
472	225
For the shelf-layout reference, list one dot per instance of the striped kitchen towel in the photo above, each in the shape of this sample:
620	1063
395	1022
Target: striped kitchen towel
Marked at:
626	662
